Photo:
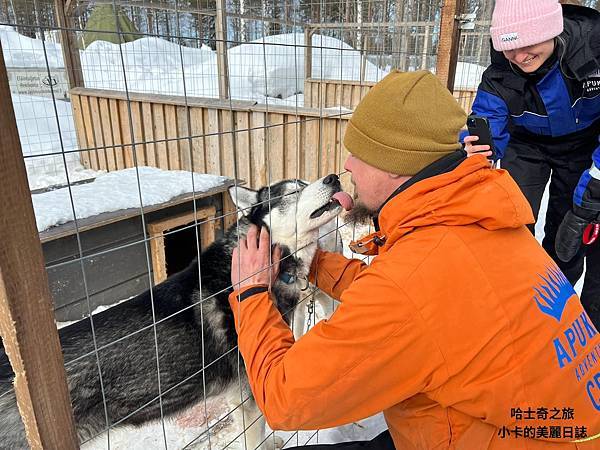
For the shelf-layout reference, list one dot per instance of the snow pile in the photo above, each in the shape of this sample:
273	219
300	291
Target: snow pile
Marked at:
281	58
39	134
150	65
23	51
115	191
269	67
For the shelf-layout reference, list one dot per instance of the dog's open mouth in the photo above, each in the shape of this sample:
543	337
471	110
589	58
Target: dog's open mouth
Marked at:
339	199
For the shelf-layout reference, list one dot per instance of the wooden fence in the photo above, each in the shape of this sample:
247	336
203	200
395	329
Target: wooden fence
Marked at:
203	135
332	93
336	93
465	98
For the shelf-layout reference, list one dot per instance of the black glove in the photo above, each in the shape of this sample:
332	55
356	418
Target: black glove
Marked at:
569	237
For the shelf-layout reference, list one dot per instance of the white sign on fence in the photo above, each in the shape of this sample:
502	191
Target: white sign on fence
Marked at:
36	81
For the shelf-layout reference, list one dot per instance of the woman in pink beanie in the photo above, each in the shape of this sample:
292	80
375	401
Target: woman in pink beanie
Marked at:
541	96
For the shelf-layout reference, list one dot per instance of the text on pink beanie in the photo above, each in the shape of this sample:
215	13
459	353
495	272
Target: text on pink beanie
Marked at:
521	23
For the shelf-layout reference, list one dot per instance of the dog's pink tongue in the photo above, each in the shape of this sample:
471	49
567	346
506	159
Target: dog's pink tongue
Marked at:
344	199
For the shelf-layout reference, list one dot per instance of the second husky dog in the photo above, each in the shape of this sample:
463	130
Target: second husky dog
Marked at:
167	347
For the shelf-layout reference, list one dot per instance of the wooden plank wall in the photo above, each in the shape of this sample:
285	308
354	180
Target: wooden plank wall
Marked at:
207	136
335	93
465	98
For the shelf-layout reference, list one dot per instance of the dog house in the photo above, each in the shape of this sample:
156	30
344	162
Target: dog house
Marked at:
116	260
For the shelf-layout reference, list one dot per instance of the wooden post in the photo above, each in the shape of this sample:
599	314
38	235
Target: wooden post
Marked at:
221	35
447	55
396	36
229	211
425	48
5	9
26	313
364	48
308	33
69	45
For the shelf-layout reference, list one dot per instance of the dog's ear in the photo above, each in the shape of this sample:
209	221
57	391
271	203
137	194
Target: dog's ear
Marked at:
243	197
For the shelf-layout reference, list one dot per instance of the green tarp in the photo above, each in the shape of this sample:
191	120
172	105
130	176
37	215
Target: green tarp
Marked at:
102	26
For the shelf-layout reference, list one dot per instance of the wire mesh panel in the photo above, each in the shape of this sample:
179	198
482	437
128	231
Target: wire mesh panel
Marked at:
144	124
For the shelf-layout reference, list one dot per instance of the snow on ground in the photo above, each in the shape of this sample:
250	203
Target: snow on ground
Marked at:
99	309
117	190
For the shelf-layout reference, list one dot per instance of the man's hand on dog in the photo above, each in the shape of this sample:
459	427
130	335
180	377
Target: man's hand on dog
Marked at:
250	262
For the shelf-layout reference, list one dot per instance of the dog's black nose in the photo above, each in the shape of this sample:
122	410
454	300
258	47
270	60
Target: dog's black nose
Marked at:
331	178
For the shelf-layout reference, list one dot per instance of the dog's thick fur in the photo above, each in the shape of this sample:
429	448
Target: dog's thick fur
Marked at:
185	323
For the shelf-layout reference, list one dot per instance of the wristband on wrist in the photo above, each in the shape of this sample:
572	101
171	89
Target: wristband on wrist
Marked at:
252	291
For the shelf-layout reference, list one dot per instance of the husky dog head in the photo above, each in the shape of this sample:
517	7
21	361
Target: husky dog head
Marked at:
293	210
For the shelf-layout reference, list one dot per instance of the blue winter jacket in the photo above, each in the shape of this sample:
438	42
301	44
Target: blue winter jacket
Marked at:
563	100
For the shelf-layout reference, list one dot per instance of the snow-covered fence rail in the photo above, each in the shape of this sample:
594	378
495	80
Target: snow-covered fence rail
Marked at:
116	131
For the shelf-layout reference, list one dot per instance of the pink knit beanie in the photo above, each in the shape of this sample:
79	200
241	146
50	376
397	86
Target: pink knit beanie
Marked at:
520	23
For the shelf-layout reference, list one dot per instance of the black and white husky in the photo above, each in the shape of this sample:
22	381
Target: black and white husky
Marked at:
168	347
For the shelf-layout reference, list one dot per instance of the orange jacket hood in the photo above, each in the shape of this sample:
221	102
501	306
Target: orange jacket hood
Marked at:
460	197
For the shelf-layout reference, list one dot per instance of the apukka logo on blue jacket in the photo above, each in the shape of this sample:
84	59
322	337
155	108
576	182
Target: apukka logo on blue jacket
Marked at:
591	86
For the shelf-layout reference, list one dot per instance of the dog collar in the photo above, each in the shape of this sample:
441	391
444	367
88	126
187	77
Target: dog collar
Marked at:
287	278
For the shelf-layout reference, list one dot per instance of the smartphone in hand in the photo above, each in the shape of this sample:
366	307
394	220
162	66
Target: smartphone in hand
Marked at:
480	127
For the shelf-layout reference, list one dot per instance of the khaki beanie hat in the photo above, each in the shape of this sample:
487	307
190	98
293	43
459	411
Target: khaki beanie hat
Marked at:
407	121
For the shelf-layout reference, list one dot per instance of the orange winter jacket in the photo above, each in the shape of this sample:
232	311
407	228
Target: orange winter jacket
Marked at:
462	330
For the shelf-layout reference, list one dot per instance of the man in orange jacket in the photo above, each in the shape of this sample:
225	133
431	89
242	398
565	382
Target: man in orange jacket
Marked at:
462	330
